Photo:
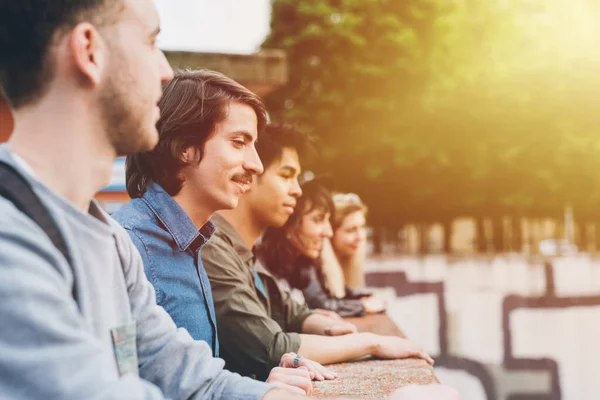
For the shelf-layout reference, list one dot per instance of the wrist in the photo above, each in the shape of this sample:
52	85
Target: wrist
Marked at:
371	342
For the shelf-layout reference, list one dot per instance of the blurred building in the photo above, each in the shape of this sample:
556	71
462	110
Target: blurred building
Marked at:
262	73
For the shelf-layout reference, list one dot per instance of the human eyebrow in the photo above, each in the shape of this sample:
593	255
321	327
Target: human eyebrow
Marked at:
289	169
247	136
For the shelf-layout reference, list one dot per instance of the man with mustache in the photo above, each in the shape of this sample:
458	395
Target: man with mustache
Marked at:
204	161
257	321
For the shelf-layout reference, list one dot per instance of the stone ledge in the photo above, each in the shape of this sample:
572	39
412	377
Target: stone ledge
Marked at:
374	379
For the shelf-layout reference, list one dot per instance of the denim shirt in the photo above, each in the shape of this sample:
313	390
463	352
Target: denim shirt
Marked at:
170	245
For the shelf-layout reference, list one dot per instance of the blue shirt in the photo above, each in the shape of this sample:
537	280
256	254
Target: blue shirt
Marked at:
170	247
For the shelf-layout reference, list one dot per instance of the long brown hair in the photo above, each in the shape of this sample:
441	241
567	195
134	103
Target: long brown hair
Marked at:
190	107
277	250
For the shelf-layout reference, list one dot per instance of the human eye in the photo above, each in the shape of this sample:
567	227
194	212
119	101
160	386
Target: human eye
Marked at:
238	143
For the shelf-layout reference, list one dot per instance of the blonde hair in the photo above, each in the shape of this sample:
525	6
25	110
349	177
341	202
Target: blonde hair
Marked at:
351	274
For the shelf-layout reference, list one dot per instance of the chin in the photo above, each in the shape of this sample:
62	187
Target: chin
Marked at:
152	140
231	203
278	222
147	141
313	255
350	253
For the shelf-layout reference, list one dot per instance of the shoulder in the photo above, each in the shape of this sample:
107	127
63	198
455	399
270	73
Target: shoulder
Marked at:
134	214
25	244
137	221
122	237
15	224
217	245
219	256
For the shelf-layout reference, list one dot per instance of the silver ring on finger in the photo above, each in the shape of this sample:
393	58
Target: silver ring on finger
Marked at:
297	360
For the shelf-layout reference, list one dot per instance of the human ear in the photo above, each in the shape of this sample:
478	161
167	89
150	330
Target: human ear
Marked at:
88	51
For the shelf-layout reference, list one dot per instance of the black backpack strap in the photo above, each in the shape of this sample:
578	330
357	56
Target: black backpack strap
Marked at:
18	191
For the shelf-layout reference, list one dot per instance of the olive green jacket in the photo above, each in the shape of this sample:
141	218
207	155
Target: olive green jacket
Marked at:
254	330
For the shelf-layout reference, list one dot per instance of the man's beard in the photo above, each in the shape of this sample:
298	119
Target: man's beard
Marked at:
122	119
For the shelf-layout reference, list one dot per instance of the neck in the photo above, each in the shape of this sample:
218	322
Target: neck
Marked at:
195	205
344	260
245	223
65	147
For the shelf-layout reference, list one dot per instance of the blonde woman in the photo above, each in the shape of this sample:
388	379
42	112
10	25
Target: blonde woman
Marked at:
342	259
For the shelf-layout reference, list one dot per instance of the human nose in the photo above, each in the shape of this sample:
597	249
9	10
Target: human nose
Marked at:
296	190
253	163
327	230
166	72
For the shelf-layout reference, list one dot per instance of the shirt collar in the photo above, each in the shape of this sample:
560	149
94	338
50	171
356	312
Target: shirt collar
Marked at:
25	167
226	231
176	220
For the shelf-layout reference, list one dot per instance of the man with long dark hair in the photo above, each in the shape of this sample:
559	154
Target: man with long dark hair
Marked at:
205	161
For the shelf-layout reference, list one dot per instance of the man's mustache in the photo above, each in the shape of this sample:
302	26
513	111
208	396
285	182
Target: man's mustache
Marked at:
244	178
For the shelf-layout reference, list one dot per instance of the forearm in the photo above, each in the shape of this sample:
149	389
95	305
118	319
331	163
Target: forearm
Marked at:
345	307
334	349
316	324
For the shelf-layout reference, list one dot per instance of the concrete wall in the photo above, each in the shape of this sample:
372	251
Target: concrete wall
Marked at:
262	73
501	328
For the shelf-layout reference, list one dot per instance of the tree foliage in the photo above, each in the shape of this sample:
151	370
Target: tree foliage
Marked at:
432	109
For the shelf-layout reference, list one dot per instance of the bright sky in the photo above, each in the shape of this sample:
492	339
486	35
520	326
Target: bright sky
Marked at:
221	26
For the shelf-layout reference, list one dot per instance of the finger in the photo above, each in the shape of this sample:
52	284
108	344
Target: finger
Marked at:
290	388
311	373
287	360
302	382
300	371
423	355
318	374
428	358
327	374
314	372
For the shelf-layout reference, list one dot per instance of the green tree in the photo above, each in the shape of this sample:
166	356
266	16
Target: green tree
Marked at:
433	109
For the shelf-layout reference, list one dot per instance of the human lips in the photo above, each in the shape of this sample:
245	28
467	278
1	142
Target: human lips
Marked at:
317	246
315	251
243	182
244	187
289	207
